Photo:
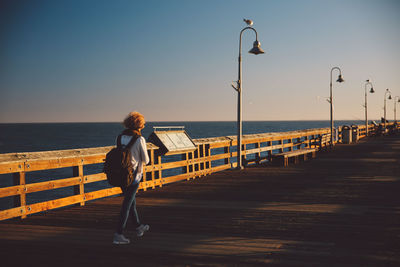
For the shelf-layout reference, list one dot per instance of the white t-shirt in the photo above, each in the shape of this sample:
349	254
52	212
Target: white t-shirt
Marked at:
139	155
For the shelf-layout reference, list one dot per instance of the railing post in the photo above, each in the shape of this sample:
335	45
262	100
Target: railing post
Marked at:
227	150
258	154
20	199
196	165
290	141
191	162
207	156
269	155
203	159
185	169
244	156
79	189
159	164
152	168
144	180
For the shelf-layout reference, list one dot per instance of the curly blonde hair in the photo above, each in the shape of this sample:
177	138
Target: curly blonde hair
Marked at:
134	121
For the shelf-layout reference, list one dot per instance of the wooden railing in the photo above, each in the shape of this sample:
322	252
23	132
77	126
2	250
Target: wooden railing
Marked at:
212	155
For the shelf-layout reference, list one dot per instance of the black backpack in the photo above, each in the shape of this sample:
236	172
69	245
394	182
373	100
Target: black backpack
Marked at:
118	164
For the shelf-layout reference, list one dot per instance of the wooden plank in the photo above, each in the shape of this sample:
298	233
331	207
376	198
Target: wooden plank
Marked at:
38	207
144	179
12	213
254	161
159	164
50	185
151	183
84	153
220	156
79	189
296	152
54	204
208	155
20	200
152	158
11	167
175	164
53	184
176	178
223	167
222	144
102	193
11	191
191	164
95	178
45	164
262	149
94	159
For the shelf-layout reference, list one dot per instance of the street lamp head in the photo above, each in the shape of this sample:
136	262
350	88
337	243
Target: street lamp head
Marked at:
340	79
256	48
372	90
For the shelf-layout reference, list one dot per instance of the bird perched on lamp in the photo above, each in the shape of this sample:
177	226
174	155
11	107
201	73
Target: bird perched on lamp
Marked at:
249	22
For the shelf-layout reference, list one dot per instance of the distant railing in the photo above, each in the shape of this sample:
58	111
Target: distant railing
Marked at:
212	155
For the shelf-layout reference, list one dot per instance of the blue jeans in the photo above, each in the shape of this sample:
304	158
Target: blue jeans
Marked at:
128	206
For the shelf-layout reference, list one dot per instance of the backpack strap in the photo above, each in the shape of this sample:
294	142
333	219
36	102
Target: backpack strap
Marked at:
119	140
131	142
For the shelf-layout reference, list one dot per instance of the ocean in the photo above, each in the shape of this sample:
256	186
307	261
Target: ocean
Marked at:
31	137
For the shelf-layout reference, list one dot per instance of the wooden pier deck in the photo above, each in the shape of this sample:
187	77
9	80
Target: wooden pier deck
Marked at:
339	209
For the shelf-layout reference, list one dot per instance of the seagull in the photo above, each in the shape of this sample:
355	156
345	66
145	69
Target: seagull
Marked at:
249	22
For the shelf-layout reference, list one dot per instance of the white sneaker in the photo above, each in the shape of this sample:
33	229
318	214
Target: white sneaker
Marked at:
120	239
141	229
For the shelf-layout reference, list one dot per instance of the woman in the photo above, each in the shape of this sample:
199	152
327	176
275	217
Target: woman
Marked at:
133	124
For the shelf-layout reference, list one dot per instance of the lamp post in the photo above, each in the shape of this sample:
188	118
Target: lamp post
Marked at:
255	50
396	99
367	82
339	80
384	107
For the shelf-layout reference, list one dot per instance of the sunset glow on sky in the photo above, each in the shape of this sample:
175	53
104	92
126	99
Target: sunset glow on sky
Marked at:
94	61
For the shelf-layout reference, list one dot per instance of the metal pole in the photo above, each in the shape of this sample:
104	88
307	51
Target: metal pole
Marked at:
366	113
384	113
396	99
384	109
239	115
331	101
366	109
239	89
331	109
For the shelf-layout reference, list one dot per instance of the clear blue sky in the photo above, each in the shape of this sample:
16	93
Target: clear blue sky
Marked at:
93	60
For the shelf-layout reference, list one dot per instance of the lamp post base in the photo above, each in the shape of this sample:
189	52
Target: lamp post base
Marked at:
239	168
